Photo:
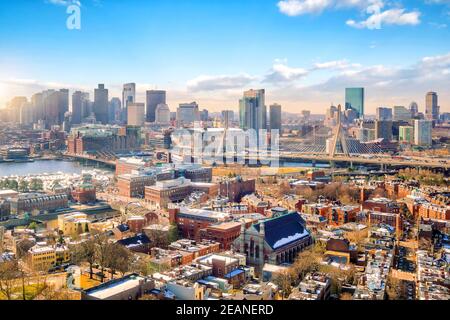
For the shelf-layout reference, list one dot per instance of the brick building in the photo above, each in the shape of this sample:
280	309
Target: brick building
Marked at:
191	221
224	233
28	202
234	189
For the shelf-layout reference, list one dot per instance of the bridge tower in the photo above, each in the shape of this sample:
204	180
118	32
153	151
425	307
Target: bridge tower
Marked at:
339	136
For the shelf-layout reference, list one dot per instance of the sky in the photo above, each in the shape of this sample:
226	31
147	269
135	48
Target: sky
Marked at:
303	52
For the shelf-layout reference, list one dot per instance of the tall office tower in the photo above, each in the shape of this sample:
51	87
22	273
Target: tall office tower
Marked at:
128	96
80	101
51	103
154	97
406	134
383	129
384	114
136	114
414	109
187	113
354	99
15	105
162	114
422	132
63	104
26	114
227	118
37	101
275	117
252	110
431	107
101	102
114	110
366	130
401	114
204	115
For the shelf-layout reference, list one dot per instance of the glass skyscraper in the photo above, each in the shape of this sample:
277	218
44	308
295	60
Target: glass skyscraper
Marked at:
252	110
354	99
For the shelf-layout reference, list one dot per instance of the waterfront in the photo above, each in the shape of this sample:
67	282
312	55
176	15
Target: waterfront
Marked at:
44	166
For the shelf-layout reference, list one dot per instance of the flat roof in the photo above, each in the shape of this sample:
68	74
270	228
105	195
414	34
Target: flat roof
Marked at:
107	289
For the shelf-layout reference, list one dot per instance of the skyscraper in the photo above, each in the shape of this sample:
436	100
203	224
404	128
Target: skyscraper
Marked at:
227	118
354	99
401	114
275	117
80	110
114	109
154	97
384	114
431	106
162	114
101	102
136	114
128	96
63	104
252	110
414	109
383	129
187	113
422	132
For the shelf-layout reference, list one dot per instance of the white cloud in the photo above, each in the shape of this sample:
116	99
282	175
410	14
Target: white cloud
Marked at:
221	82
387	17
281	72
299	7
335	65
64	2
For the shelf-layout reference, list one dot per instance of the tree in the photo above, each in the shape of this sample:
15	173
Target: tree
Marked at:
36	184
393	288
284	281
119	259
23	186
8	275
102	252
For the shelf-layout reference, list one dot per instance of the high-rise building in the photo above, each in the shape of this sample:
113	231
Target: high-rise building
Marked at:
50	107
252	110
275	117
162	114
384	114
401	114
187	113
136	114
422	132
227	118
153	98
204	115
128	96
354	99
431	106
406	134
414	109
38	106
63	104
80	101
101	102
383	129
114	110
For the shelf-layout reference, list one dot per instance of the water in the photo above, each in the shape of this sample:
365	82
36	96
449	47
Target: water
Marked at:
48	166
304	165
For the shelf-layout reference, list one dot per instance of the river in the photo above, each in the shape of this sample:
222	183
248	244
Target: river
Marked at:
42	166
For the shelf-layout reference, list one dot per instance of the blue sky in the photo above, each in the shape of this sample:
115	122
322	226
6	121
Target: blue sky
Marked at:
304	52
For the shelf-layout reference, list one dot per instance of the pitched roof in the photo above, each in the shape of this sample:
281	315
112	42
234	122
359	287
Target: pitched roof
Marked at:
138	240
283	230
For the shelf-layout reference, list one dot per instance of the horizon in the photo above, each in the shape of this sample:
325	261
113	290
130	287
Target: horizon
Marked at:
303	56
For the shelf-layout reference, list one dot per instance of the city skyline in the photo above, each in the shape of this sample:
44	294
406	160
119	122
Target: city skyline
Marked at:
205	61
